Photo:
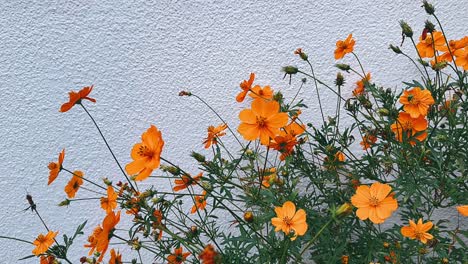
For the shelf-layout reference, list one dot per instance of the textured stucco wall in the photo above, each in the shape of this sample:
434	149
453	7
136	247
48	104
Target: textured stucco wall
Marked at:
139	55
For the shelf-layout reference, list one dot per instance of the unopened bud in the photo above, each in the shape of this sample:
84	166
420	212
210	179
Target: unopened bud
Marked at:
248	216
344	210
171	169
395	49
290	70
429	26
339	79
197	156
386	245
428	7
185	93
406	29
66	202
445	261
107	182
439	66
343	67
301	54
278	97
423	62
383	112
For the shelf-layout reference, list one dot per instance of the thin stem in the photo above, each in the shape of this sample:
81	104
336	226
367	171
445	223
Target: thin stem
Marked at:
308	245
17	239
316	89
83	178
108	147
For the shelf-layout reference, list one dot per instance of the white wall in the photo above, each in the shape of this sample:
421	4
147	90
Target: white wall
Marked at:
139	55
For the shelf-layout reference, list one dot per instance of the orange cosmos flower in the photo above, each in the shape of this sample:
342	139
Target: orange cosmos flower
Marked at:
157	223
268	175
43	242
99	240
178	256
116	258
416	102
360	85
417	231
461	58
209	255
213	134
109	203
146	155
344	47
245	86
367	141
289	220
463	210
74	184
77	97
374	202
259	92
55	167
411	127
262	121
200	202
186	181
47	259
425	46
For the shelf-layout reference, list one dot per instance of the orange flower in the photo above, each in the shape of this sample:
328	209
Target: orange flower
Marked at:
289	220
259	92
116	258
178	256
360	85
146	155
453	45
186	181
416	102
344	47
262	121
158	222
374	202
47	259
417	231
213	134
109	203
411	127
200	202
209	255
245	86
284	144
463	210
339	156
43	242
99	240
74	184
425	46
367	141
55	167
268	175
77	97
461	58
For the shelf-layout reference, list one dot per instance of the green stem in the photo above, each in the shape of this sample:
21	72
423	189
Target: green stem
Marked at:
17	239
287	241
311	242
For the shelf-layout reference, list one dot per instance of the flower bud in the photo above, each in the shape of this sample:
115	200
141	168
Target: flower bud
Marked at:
198	157
386	245
343	67
194	230
423	62
278	97
107	182
395	49
248	216
185	93
406	29
339	79
301	54
207	186
445	261
383	112
344	259
66	202
171	169
344	210
428	7
439	66
290	70
429	26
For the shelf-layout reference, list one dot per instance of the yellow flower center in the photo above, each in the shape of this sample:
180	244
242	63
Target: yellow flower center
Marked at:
261	121
287	221
373	201
144	151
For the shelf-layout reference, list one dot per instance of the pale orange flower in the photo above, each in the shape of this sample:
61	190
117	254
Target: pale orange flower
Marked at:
109	203
43	242
245	85
268	175
374	202
344	47
99	240
410	127
47	259
213	134
367	141
262	121
259	92
289	220
55	167
416	102
74	184
116	257
200	202
417	231
146	155
463	210
209	255
77	97
360	85
185	181
461	58
178	257
425	46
